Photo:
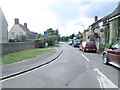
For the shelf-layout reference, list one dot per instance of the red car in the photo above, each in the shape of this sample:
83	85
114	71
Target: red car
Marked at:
88	46
111	55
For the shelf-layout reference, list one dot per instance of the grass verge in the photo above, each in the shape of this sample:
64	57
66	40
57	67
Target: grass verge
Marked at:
24	55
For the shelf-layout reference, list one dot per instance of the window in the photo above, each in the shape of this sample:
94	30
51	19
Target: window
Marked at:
12	33
20	33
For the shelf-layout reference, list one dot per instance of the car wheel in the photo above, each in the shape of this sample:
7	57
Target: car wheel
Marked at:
105	59
95	51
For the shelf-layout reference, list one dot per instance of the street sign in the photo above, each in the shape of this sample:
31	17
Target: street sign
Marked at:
46	33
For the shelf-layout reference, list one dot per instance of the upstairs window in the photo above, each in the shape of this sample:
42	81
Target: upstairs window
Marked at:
12	33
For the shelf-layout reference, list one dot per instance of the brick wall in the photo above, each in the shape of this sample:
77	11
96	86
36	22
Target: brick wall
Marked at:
14	47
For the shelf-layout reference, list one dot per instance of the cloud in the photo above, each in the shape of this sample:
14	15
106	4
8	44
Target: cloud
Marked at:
74	26
65	10
73	14
65	15
73	9
33	12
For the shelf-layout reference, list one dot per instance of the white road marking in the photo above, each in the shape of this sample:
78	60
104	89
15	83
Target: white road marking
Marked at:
85	57
101	86
28	71
115	64
104	81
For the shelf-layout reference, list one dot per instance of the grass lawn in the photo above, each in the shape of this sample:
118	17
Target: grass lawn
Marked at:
24	55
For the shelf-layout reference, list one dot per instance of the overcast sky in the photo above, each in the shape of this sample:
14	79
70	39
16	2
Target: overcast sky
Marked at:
65	15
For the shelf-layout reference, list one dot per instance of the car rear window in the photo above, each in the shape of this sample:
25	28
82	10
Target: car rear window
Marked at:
90	43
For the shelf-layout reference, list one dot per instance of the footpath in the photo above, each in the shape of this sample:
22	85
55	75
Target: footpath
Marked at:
27	65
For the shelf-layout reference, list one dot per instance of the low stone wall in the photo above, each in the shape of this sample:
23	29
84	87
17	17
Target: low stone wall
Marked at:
15	46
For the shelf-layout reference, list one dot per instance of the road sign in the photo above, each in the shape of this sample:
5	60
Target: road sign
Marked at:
46	33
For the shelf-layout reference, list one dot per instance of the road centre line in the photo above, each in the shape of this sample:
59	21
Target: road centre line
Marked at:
85	57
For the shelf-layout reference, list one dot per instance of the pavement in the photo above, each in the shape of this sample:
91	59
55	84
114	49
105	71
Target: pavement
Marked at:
27	65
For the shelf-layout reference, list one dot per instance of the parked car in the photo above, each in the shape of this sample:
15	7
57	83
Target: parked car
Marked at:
76	42
70	41
88	46
111	55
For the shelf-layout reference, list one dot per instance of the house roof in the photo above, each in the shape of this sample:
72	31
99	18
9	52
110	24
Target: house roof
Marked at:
25	29
28	32
104	19
87	30
115	12
95	25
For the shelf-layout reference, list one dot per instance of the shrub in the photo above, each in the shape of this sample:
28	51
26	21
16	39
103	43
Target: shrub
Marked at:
102	47
11	40
39	43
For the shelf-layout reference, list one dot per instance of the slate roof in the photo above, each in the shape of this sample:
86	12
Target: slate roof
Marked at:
28	32
87	30
104	19
115	12
25	29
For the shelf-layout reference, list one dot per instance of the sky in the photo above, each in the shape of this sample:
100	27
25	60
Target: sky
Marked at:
68	16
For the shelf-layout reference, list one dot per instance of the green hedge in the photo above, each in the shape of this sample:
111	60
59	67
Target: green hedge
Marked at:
102	47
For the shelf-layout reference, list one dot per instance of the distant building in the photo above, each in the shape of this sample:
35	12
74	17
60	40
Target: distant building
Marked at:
3	28
18	30
87	33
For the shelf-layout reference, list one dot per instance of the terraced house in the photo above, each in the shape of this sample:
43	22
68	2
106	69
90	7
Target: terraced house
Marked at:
105	30
114	25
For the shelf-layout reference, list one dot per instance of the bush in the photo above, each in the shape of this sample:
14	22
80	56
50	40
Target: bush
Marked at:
102	47
39	43
11	40
51	40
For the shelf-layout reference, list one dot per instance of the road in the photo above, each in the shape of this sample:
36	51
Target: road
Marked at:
73	69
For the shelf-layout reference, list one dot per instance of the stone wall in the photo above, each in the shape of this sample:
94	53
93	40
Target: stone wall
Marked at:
15	46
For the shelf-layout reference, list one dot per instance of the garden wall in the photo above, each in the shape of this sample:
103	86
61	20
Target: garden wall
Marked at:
15	46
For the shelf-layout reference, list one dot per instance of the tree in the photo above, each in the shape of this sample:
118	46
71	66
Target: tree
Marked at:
23	38
56	32
50	31
53	36
40	36
72	36
64	38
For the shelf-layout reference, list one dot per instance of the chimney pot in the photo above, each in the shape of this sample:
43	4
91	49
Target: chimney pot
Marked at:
96	18
25	24
16	21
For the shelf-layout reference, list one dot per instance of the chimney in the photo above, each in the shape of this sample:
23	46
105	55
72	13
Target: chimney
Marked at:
25	24
96	18
16	21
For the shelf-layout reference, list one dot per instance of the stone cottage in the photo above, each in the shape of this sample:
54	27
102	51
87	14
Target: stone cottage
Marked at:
18	30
